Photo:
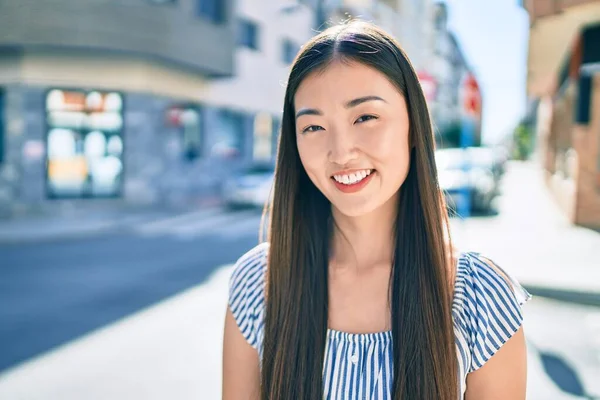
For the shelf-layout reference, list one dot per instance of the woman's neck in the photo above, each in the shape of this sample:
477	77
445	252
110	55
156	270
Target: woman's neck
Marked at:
366	241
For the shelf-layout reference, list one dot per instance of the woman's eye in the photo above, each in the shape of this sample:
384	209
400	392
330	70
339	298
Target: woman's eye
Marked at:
311	128
365	118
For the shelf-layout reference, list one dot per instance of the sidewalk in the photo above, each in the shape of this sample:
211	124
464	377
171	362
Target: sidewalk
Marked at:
531	238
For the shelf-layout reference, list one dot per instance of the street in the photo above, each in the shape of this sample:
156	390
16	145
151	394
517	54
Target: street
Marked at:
146	304
54	292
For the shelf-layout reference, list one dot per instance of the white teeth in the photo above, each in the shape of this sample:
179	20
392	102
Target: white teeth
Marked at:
352	178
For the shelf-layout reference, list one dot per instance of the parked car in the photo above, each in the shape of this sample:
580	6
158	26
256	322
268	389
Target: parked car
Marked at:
479	170
250	188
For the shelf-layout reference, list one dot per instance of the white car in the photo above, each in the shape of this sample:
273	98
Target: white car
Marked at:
251	188
472	169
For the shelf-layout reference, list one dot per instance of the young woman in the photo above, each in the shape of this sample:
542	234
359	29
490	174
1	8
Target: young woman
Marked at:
357	292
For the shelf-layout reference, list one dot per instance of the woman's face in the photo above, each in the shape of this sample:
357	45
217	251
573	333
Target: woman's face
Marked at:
352	132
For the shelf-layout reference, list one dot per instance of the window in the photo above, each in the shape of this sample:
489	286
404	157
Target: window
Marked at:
84	143
288	51
212	10
229	134
188	121
247	34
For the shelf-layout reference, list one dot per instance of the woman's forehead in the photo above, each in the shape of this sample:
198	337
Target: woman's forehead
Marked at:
341	82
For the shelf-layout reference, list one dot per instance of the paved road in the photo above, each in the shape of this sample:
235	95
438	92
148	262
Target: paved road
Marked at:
53	292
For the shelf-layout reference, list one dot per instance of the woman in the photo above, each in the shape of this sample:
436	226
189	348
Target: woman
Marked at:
358	293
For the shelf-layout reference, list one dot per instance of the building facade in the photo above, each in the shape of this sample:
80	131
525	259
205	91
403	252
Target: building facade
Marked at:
409	21
269	36
563	85
421	27
449	68
86	89
139	101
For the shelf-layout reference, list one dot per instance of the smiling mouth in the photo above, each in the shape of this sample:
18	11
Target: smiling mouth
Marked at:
353	178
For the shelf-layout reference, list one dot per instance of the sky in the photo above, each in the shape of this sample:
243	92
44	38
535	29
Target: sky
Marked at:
494	36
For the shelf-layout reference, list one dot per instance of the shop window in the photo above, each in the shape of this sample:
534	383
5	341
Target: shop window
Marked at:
263	137
192	134
84	143
187	120
230	133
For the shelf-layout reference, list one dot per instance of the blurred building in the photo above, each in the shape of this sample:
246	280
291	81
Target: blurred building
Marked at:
268	37
421	27
450	69
563	84
410	21
90	94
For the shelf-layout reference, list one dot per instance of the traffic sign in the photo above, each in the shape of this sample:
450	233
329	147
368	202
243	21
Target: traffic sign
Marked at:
471	96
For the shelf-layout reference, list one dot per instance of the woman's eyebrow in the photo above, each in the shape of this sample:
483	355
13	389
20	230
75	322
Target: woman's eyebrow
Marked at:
364	99
349	104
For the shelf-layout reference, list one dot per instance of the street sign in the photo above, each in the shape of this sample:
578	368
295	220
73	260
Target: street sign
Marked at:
428	84
471	96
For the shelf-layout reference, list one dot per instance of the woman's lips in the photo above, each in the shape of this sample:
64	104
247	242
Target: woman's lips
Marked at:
355	187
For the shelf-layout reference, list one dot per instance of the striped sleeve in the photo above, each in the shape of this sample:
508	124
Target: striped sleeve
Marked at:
494	301
246	292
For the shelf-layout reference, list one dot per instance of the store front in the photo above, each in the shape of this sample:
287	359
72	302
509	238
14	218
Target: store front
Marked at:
84	142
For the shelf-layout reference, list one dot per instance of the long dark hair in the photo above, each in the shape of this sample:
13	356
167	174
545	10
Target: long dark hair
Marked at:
300	230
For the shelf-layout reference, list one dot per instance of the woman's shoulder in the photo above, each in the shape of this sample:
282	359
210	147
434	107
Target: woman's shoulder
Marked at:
252	261
246	292
478	273
487	307
248	274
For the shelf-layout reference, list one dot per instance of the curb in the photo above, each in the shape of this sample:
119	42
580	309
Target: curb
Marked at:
569	296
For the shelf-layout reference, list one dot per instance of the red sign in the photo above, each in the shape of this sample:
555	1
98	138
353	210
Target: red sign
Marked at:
471	96
428	84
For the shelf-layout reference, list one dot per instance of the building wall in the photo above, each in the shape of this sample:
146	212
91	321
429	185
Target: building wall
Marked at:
409	21
68	68
158	166
544	8
551	38
587	144
156	169
169	32
449	68
571	156
260	75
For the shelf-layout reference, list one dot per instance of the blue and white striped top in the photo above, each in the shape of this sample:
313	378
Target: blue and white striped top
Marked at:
486	311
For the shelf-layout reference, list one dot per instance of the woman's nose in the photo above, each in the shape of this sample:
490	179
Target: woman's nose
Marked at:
342	149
